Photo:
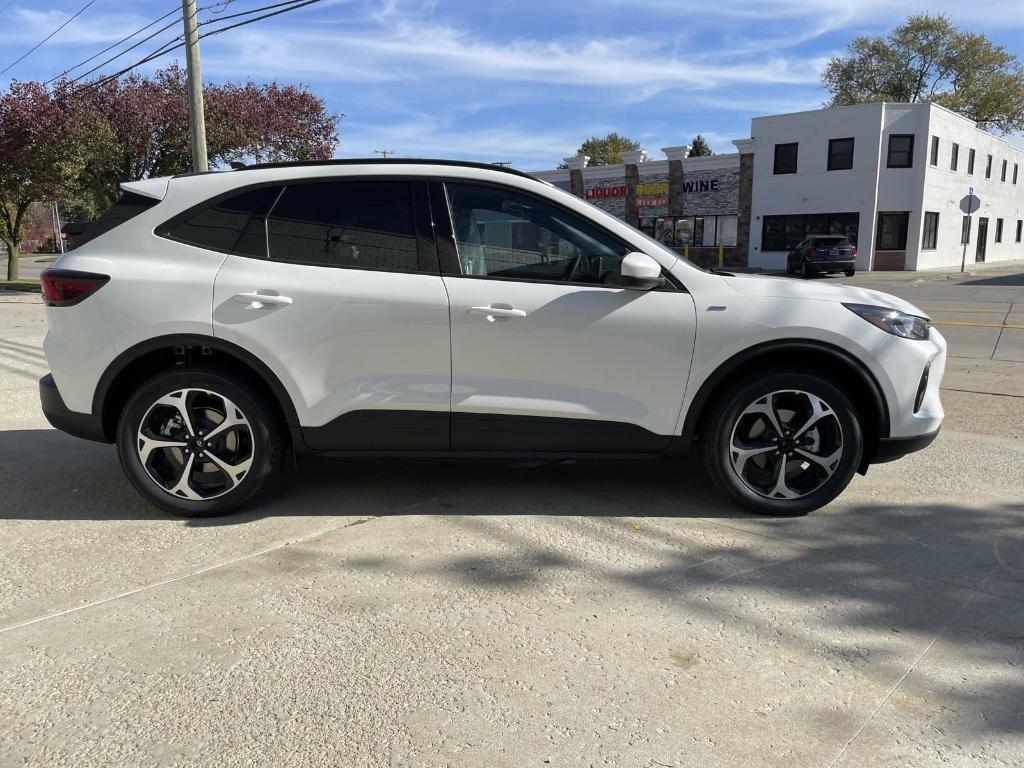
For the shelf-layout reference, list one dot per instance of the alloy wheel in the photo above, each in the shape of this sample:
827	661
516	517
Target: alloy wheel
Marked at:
786	444
195	444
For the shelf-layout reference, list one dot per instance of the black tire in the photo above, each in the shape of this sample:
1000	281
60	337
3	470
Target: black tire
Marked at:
789	268
806	271
717	437
850	272
263	441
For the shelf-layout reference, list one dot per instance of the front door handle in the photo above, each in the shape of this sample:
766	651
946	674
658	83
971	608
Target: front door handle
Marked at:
494	312
257	300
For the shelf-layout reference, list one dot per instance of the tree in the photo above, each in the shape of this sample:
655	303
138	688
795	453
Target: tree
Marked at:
41	142
607	150
699	147
929	59
145	129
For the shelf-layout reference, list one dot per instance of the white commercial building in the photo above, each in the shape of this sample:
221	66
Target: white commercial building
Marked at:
893	178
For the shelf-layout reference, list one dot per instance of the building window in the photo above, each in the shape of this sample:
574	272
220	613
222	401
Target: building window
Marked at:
784	233
1002	173
840	154
785	158
1014	173
931	231
954	157
988	167
965	231
892	231
935	150
970	162
1020	225
999	230
901	150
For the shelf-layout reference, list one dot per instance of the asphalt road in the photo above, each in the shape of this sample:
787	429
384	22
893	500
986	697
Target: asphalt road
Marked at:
452	613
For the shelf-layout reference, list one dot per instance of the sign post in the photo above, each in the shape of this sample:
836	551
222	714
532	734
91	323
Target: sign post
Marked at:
968	205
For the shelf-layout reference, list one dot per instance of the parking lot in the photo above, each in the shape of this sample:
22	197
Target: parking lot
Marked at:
519	613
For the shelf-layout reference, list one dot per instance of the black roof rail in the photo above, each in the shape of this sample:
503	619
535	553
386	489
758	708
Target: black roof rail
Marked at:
387	161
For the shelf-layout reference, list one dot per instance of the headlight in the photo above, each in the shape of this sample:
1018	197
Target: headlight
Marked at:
893	321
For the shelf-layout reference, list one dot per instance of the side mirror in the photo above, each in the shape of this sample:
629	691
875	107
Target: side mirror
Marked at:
640	271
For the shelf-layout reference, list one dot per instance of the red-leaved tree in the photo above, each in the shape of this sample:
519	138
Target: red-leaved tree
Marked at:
42	152
146	128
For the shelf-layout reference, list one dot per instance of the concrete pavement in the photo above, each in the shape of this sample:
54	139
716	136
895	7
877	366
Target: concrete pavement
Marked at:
452	613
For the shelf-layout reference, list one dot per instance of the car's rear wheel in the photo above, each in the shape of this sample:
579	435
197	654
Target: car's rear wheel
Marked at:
198	442
850	272
785	443
805	270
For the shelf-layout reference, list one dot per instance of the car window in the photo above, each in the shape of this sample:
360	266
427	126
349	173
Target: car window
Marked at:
232	224
832	242
353	224
506	234
128	206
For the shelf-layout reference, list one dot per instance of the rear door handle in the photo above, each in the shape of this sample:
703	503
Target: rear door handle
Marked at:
492	313
257	300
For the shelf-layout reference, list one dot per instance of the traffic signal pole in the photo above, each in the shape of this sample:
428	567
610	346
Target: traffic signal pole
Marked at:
197	116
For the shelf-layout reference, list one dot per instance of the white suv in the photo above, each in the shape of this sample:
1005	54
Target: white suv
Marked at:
214	323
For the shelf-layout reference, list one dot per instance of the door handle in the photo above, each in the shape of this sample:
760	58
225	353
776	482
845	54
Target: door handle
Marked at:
257	300
492	313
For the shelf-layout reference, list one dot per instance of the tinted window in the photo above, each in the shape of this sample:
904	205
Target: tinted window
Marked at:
234	224
892	232
930	237
353	224
832	242
954	157
935	150
970	161
128	206
503	233
840	154
783	233
901	150
785	158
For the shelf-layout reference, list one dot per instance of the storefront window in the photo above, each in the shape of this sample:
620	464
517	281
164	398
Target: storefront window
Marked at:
647	225
783	233
663	231
684	231
726	230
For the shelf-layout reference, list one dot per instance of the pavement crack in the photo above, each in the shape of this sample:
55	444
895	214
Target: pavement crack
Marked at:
949	622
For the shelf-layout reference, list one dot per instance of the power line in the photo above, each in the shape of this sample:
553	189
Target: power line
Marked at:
126	50
45	39
245	13
177	42
7	5
112	47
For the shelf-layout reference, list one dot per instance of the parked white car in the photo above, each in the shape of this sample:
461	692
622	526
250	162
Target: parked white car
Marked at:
213	323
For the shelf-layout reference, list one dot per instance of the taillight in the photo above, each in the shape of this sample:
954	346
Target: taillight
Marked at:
853	250
812	251
65	287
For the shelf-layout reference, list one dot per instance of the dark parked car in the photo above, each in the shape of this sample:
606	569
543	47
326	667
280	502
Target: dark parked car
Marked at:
822	253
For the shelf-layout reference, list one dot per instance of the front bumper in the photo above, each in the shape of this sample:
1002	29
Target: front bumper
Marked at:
892	448
85	425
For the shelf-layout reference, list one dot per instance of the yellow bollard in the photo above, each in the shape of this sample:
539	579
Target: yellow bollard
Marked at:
686	252
721	255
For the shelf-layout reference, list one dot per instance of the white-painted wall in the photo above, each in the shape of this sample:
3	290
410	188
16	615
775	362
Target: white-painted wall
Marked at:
944	190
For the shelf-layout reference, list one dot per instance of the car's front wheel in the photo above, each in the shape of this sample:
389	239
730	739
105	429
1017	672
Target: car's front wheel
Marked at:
785	443
198	442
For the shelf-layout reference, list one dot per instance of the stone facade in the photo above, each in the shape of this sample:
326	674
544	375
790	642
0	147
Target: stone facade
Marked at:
711	192
746	148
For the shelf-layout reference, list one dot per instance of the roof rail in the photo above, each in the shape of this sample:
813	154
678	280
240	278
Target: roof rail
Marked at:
387	161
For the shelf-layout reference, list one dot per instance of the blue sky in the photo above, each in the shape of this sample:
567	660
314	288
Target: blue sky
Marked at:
521	81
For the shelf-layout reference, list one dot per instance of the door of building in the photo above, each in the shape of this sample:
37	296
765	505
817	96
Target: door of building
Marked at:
979	254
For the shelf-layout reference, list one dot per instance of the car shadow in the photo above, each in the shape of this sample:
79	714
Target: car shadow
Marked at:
48	475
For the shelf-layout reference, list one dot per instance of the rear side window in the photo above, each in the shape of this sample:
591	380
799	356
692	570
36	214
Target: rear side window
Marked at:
352	224
235	224
127	207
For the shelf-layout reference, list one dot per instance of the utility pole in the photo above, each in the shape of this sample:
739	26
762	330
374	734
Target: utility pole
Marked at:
197	114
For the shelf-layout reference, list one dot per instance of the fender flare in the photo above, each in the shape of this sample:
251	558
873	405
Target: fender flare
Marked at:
733	364
133	353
